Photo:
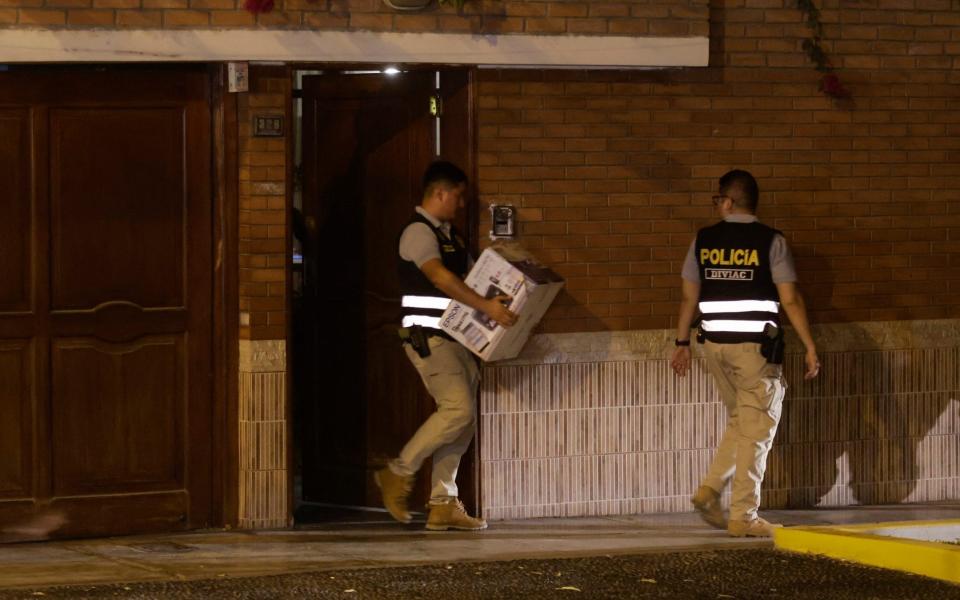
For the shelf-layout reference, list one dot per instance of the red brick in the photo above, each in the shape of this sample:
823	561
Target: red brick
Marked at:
185	18
585	26
151	4
609	9
67	3
356	6
415	23
568	9
669	28
29	16
320	20
91	18
545	25
628	27
525	9
276	19
503	25
459	23
372	22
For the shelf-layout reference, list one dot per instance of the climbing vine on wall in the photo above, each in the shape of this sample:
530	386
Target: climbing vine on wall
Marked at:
830	83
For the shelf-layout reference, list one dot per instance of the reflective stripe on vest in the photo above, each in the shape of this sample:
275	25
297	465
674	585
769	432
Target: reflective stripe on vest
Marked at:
735	326
735	306
422	321
727	311
429	302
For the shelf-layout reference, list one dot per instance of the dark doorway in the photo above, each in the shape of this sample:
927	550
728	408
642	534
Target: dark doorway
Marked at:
366	139
105	300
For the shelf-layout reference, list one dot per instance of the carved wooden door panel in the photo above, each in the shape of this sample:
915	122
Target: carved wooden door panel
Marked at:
105	298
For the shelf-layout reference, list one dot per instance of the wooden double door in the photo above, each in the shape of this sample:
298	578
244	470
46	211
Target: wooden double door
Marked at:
105	300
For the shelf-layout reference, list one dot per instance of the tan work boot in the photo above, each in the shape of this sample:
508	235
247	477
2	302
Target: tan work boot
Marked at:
452	515
394	489
755	528
707	503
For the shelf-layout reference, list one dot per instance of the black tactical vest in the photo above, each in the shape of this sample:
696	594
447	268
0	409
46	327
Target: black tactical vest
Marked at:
737	294
422	302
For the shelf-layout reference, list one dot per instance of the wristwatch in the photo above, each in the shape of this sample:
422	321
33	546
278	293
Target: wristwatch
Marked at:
681	342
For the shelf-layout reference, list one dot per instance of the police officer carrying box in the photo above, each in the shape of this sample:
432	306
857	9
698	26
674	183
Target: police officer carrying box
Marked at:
433	263
739	273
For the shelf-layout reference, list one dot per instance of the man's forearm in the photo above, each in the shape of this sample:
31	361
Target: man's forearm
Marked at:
797	313
685	320
453	286
689	296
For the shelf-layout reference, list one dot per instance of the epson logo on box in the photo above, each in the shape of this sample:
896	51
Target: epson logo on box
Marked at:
454	313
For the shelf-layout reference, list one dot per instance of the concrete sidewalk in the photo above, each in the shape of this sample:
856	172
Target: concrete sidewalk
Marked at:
384	543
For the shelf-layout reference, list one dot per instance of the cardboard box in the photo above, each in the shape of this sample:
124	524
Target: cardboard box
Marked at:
503	269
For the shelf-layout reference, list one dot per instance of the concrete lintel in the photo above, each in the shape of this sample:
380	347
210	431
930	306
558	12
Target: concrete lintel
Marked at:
39	45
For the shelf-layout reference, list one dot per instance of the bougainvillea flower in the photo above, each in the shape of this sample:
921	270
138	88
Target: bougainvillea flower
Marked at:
258	6
831	85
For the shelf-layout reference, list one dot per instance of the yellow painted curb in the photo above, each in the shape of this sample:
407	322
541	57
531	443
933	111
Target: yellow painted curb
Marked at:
853	543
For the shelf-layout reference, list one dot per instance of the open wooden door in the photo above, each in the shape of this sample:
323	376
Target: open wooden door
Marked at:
105	299
367	140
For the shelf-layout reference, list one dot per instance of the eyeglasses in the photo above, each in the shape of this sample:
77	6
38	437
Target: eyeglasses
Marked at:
718	199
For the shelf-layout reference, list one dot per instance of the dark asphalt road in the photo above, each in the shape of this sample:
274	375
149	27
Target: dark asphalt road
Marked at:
743	574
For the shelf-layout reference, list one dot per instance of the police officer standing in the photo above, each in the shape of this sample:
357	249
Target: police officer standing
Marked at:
433	262
739	273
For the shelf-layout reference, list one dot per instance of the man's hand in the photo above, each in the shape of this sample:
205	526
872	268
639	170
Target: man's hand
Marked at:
690	292
495	309
813	364
680	363
453	286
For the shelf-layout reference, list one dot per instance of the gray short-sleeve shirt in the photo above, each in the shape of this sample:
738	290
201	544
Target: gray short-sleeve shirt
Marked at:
418	243
781	260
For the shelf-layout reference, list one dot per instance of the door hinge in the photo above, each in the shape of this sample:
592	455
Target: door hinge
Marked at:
436	106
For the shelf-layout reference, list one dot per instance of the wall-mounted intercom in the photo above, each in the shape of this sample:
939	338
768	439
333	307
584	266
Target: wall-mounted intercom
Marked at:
503	220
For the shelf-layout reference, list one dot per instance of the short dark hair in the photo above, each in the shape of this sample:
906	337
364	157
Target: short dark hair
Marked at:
742	188
444	173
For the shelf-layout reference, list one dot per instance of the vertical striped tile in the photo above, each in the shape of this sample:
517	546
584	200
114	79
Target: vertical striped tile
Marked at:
623	437
263	442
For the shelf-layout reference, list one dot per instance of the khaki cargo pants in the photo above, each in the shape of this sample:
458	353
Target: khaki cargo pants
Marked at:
451	376
752	391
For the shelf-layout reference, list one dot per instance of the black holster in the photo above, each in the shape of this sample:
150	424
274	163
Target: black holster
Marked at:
772	345
417	338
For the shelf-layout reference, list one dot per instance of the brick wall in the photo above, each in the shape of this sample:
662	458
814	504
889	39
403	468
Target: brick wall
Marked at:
613	171
634	17
263	240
